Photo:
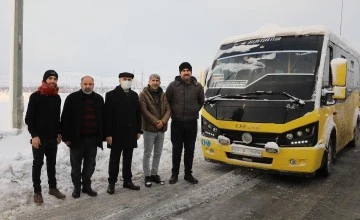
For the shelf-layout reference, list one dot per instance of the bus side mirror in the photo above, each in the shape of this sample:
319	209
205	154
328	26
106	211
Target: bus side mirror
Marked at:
338	69
339	92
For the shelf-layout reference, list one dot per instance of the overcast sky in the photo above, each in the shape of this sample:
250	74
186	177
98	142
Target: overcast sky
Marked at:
105	37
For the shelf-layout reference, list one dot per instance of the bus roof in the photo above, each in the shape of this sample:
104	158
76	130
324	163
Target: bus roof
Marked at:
275	31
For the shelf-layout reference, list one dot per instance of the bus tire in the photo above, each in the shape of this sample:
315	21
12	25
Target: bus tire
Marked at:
327	160
356	141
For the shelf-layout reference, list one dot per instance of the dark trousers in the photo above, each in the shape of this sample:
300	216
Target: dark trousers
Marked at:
114	162
48	148
183	135
84	150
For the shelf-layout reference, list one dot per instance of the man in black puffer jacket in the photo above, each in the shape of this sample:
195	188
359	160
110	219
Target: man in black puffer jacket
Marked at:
43	121
186	98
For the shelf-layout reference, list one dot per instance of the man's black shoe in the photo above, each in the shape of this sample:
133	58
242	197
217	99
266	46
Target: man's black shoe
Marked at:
111	188
76	193
148	181
191	179
157	179
173	179
130	185
89	191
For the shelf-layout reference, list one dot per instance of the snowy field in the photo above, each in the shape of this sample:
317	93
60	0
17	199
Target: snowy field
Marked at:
16	191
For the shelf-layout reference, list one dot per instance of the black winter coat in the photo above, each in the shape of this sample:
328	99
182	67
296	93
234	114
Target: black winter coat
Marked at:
73	115
43	115
122	118
185	99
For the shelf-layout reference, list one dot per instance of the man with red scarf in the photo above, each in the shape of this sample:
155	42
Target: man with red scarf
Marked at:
43	121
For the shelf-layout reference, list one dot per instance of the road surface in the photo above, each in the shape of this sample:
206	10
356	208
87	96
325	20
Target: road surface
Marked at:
228	192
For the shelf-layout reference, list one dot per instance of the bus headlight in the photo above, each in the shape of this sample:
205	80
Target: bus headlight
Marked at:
299	133
208	129
305	136
289	136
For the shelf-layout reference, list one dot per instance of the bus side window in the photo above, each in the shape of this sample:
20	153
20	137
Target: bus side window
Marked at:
327	79
327	69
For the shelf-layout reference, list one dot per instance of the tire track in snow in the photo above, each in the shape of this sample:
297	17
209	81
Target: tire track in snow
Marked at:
200	196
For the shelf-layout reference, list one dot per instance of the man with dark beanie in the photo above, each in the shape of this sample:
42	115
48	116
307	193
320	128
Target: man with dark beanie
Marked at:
186	98
82	132
43	121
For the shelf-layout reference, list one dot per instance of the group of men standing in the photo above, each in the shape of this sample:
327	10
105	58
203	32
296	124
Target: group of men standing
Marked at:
86	121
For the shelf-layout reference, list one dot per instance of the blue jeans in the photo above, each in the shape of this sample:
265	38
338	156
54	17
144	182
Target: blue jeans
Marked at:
152	140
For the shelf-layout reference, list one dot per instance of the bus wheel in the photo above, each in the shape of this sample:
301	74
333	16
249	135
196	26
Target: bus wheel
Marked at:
327	161
356	141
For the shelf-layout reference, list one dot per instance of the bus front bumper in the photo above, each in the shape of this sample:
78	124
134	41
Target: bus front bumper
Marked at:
286	159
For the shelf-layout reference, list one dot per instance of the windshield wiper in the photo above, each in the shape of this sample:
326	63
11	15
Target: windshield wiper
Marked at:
216	98
250	95
210	99
294	99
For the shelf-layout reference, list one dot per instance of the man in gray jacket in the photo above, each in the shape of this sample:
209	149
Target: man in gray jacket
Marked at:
186	98
156	112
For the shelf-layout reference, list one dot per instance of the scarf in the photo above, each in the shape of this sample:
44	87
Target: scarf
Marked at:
47	90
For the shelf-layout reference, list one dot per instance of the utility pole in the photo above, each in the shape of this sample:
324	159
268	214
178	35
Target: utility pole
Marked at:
142	79
341	15
102	85
16	75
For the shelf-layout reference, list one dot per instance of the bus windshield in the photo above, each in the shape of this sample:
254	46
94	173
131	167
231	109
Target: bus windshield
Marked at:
286	64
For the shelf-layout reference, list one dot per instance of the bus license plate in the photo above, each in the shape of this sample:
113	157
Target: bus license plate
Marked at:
247	151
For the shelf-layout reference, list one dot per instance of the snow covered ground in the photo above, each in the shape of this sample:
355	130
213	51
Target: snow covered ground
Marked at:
16	192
